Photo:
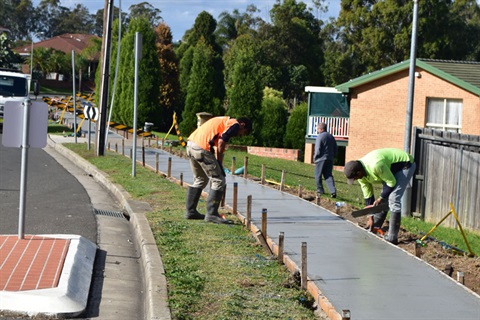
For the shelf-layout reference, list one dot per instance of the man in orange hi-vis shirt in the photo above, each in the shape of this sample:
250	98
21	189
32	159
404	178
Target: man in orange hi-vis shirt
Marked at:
205	148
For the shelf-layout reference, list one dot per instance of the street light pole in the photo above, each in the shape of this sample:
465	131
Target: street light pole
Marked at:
31	58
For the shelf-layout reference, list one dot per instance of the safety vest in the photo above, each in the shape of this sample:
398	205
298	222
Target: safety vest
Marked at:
208	133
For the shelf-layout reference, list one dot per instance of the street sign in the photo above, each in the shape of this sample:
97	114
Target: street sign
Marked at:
13	124
90	112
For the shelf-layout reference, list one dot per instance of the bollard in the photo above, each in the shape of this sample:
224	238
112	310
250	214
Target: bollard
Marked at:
300	191
262	181
317	199
156	163
264	223
169	170
249	212
156	142
181	179
123	147
235	197
281	238
245	167
108	146
461	277
143	156
233	165
116	147
130	153
163	143
170	148
304	266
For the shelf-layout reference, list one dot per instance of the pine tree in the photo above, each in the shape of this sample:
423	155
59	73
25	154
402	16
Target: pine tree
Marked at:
149	76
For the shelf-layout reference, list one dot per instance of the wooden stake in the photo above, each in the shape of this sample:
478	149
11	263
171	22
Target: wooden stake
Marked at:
280	247
262	180
169	170
235	197
264	222
233	165
156	163
304	266
245	167
282	182
249	212
300	190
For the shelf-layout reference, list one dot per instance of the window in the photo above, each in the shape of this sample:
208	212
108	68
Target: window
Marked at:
444	114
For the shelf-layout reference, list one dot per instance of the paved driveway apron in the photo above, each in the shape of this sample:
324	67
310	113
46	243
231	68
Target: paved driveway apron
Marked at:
353	269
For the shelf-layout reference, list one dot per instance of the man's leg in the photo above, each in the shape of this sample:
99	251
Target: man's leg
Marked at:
318	176
403	178
327	174
217	177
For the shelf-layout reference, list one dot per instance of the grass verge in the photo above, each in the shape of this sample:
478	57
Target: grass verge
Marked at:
213	271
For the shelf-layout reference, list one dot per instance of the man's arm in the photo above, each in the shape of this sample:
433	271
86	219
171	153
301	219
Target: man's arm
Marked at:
220	150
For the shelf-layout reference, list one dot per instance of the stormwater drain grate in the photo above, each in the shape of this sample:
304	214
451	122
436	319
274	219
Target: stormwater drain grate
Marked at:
115	214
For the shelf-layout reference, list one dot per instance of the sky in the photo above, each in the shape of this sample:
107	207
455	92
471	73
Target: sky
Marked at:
180	15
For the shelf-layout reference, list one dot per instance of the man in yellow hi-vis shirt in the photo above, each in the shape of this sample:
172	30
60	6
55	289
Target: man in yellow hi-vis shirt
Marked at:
391	167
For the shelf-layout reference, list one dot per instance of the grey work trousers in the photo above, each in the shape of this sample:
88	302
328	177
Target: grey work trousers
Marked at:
324	168
205	167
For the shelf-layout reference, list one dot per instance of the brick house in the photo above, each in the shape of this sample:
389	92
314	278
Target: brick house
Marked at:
446	97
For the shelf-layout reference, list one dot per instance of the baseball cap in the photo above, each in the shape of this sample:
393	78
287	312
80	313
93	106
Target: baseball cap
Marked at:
350	170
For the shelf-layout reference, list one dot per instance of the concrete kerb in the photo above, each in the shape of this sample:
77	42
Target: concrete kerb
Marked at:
156	306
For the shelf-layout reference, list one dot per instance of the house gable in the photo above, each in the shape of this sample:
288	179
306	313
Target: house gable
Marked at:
378	102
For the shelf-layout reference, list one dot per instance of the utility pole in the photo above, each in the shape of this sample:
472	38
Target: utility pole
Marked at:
103	101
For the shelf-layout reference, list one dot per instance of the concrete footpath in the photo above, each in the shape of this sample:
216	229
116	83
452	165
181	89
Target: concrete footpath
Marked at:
349	269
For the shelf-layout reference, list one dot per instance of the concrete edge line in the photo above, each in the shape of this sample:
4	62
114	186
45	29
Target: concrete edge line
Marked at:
156	305
70	297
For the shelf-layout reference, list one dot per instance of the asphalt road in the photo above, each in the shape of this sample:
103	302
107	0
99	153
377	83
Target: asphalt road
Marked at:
55	200
63	199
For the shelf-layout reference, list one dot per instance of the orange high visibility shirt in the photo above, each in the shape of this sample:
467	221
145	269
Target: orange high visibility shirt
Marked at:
207	135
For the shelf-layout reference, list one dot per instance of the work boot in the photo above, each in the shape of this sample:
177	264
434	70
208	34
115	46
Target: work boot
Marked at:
379	219
193	195
394	227
213	202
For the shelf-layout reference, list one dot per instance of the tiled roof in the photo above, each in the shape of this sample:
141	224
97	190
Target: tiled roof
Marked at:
65	42
467	71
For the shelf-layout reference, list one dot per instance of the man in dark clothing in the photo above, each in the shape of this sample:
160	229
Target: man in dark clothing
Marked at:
325	151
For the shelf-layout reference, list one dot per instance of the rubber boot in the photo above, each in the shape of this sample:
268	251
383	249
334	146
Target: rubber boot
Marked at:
213	202
193	195
394	227
379	219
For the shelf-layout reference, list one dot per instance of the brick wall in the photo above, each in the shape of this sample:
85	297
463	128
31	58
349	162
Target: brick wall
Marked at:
378	110
288	154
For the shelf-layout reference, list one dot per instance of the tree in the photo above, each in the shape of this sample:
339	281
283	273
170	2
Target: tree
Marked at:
8	58
202	31
170	84
18	17
147	11
231	25
294	39
274	117
78	20
244	84
201	88
297	127
149	70
49	15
